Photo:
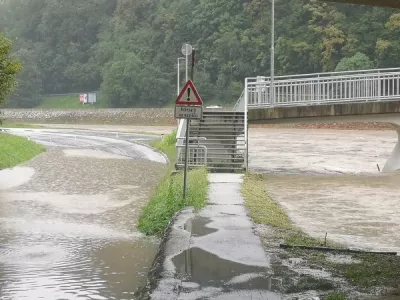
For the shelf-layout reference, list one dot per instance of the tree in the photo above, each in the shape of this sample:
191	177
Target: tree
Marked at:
9	68
359	61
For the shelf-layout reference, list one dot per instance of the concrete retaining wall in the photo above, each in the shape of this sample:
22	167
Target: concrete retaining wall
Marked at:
281	114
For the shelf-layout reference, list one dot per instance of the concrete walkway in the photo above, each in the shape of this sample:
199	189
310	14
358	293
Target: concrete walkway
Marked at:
214	254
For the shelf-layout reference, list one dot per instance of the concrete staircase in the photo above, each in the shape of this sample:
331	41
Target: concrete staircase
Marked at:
217	142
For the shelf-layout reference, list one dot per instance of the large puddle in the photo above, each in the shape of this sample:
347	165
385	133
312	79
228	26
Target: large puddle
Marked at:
70	231
205	275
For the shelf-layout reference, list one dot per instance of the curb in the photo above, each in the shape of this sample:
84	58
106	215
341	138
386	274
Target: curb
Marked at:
155	150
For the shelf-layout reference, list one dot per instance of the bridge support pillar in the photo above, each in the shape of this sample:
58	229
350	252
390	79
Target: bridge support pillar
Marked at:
393	163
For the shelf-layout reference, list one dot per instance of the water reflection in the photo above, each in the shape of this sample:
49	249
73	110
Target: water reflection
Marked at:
70	232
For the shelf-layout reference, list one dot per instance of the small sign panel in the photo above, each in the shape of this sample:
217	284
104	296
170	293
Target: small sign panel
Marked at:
188	112
189	95
92	98
83	98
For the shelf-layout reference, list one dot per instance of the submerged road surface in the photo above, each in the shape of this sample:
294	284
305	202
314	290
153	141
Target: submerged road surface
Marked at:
68	217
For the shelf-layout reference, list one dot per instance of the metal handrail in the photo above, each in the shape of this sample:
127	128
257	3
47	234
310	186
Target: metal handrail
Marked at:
326	74
351	86
194	147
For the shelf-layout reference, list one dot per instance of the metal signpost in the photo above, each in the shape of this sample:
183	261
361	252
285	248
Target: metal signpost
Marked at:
188	106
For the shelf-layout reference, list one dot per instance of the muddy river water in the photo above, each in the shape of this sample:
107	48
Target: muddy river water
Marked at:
68	223
328	182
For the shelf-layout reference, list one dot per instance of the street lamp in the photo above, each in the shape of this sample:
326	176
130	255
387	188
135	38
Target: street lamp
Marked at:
178	90
272	86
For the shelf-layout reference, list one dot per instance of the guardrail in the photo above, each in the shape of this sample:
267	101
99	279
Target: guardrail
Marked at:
197	156
322	88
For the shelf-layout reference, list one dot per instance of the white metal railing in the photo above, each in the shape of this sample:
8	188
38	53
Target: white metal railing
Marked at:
242	106
321	88
197	156
180	137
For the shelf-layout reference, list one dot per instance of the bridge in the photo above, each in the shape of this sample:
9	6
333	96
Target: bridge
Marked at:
220	140
368	96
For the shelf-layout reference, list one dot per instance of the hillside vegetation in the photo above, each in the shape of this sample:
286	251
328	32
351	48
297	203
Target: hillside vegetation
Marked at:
128	49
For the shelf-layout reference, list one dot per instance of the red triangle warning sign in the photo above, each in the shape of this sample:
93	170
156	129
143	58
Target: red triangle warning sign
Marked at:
189	95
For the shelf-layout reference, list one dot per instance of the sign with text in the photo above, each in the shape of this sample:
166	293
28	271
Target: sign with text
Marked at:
188	112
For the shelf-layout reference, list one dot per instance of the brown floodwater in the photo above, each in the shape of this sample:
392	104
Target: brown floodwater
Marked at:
328	182
68	226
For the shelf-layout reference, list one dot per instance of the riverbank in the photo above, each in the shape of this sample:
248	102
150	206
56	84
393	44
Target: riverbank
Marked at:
15	150
148	117
303	273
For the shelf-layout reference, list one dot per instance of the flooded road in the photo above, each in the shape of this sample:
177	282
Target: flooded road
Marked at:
328	182
68	218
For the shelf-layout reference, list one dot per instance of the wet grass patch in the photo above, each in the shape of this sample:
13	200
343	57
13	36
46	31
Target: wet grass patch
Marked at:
18	125
168	199
69	102
335	296
15	150
363	272
372	270
166	145
311	284
262	208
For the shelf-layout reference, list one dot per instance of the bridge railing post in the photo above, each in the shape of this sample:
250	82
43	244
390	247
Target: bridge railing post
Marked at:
246	136
379	86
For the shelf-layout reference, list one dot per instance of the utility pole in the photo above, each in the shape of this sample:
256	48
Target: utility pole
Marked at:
272	85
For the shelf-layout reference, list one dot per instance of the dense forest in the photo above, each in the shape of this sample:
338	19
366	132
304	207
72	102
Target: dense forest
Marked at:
128	49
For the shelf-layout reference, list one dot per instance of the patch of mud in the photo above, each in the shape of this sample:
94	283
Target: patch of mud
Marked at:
341	259
11	178
92	153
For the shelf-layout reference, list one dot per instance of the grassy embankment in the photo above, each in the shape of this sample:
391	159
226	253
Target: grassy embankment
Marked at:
18	125
69	102
369	272
15	150
168	196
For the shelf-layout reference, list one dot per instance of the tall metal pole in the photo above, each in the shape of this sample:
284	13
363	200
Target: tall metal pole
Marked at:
177	82
179	76
187	62
185	173
272	86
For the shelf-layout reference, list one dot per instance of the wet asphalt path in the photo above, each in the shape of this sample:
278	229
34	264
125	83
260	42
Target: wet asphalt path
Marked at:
68	217
110	142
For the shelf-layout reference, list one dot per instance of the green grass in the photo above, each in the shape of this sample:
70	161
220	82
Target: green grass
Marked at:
18	125
69	102
372	270
265	210
262	208
167	145
335	296
383	269
309	284
168	199
15	150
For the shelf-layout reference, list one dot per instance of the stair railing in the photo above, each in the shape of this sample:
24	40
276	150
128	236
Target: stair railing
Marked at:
180	138
242	106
